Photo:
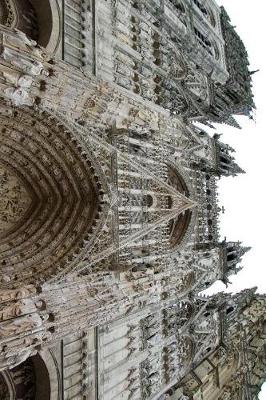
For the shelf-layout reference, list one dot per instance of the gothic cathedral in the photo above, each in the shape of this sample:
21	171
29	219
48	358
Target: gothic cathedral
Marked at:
109	213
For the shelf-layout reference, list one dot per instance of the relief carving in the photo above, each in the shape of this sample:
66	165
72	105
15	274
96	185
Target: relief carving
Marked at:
15	309
14	200
20	325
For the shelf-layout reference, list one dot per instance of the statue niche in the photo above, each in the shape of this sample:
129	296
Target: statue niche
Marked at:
50	199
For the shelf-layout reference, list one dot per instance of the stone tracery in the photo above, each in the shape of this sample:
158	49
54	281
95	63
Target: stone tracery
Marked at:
20	15
39	20
51	202
178	226
28	381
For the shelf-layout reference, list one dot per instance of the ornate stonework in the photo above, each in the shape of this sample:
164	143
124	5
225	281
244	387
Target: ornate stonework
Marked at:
109	214
15	200
59	202
20	15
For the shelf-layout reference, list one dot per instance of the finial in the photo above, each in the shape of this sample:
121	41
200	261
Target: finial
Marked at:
254	72
217	136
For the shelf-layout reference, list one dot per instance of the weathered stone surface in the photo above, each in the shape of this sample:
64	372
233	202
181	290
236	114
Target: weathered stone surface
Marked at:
109	206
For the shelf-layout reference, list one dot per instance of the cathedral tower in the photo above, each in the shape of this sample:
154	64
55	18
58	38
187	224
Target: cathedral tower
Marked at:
109	212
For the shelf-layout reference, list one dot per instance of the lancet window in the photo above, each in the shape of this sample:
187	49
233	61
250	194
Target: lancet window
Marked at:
179	225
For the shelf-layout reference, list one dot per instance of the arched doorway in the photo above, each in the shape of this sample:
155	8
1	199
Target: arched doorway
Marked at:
38	19
42	381
50	202
179	225
28	381
4	389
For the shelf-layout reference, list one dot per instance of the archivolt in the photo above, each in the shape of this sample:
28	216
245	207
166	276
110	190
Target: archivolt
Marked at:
50	198
178	227
35	378
38	19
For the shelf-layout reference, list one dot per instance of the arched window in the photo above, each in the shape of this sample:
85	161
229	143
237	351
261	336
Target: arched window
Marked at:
216	51
42	381
203	40
201	7
179	225
206	12
209	45
230	310
211	17
148	200
39	20
178	6
20	15
180	10
4	390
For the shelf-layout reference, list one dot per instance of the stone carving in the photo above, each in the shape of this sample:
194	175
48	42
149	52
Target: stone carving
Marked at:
28	66
6	13
48	184
22	60
19	15
16	309
185	350
16	294
91	174
14	200
178	66
19	325
178	226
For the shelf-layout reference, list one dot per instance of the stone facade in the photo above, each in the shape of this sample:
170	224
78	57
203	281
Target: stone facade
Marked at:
109	206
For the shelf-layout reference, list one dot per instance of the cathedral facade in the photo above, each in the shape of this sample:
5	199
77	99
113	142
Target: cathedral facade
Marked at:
109	205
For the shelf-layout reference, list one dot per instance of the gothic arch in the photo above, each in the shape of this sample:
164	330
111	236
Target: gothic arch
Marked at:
38	19
51	198
30	380
6	387
178	227
52	368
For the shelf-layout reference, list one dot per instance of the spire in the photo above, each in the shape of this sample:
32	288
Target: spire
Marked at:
244	250
231	121
231	256
254	72
235	169
238	88
225	161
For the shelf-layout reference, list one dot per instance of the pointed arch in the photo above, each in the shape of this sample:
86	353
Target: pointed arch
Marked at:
40	20
51	198
178	226
35	378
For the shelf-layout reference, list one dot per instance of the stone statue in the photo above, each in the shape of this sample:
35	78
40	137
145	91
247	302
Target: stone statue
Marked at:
12	310
20	325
